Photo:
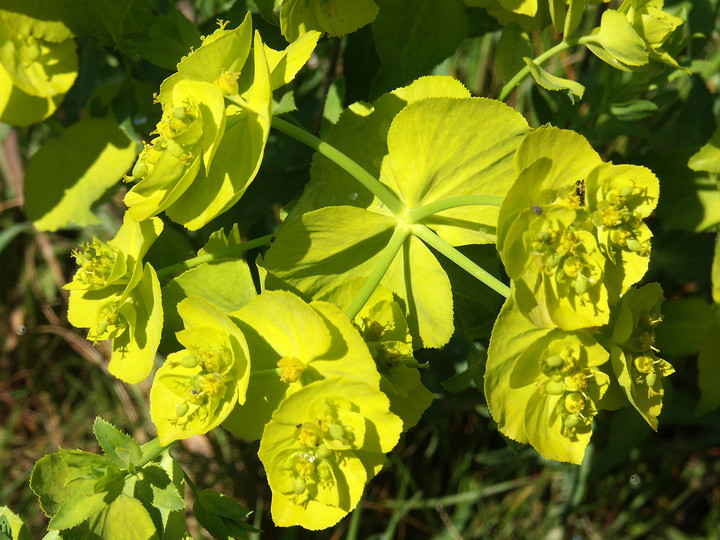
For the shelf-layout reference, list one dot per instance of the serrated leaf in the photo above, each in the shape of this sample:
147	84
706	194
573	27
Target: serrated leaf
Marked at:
119	447
69	174
551	82
83	503
11	526
153	485
123	519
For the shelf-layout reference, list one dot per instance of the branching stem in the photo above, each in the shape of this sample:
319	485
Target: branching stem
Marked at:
387	197
219	254
434	241
520	75
415	215
387	255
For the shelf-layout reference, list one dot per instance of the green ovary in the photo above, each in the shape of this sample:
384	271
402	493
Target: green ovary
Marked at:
619	216
204	389
565	377
112	324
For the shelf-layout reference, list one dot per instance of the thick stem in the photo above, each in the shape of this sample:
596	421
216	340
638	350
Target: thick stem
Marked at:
433	240
520	75
151	450
387	197
415	215
387	255
219	254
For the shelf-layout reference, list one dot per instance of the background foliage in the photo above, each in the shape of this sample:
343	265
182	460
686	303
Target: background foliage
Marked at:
453	476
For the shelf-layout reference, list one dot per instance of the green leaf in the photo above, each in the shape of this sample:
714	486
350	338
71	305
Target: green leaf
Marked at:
11	526
633	110
431	30
227	284
153	486
222	505
123	519
335	17
617	43
709	370
439	148
285	64
69	174
512	47
551	82
708	157
361	133
122	450
83	503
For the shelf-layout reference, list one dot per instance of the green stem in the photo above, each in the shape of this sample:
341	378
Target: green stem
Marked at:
387	197
430	238
219	254
387	255
414	215
520	75
151	450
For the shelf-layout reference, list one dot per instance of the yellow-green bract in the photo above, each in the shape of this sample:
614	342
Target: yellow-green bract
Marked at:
543	385
324	442
292	344
571	231
382	324
116	298
196	388
634	34
216	120
35	74
635	362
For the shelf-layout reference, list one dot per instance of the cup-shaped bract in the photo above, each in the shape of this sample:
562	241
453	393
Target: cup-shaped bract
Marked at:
334	17
292	344
196	388
569	207
635	362
556	268
543	385
189	132
618	198
35	74
631	36
653	25
322	445
216	121
116	298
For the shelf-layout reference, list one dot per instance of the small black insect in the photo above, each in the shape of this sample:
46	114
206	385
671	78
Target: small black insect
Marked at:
299	425
580	191
536	210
